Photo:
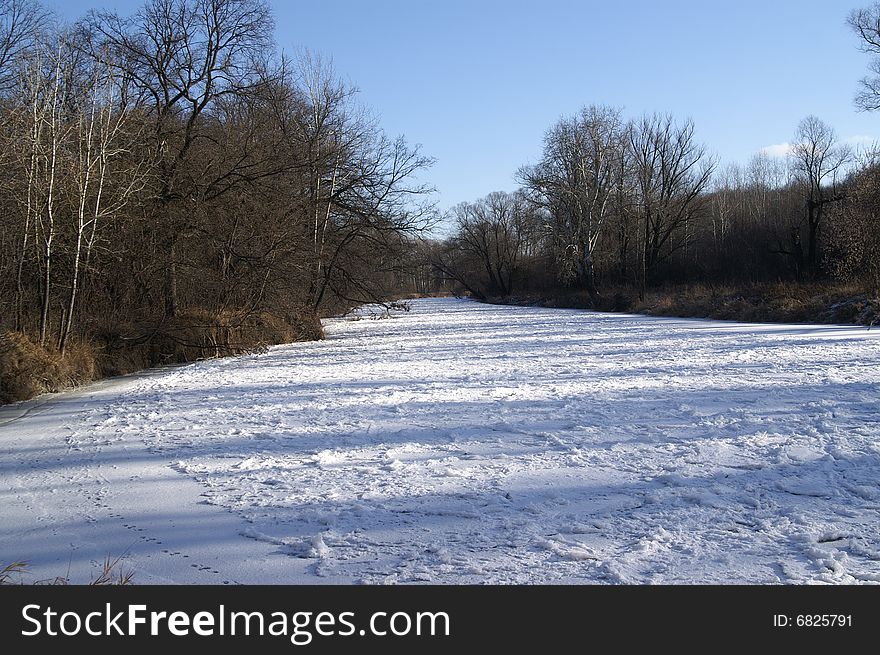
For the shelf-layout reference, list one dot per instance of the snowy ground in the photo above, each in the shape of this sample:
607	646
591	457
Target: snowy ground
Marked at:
467	443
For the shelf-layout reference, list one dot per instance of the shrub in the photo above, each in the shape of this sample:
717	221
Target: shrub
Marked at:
28	369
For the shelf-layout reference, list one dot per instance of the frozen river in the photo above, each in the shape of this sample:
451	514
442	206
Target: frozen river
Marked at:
466	443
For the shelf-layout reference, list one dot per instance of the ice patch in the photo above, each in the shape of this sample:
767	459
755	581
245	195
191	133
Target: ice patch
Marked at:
573	552
806	487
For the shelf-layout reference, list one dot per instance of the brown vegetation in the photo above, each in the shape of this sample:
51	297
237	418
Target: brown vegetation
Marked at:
173	188
28	369
112	572
770	303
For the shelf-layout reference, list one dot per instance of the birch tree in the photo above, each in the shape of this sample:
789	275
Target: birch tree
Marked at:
103	135
576	181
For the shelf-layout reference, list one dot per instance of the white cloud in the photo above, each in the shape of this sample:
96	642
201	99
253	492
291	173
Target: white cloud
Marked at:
860	140
857	141
776	150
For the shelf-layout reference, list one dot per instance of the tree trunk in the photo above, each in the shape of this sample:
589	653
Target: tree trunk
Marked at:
19	284
643	278
44	305
170	287
71	301
590	276
814	216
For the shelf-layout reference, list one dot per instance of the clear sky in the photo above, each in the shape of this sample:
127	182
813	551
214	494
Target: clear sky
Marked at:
477	82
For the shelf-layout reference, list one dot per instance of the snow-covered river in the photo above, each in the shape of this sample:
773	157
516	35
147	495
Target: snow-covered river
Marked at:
467	443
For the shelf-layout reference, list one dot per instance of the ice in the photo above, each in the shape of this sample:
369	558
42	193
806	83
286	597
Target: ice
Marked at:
466	443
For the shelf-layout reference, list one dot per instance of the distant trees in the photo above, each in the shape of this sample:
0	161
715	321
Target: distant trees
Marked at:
753	212
854	246
610	198
639	203
487	251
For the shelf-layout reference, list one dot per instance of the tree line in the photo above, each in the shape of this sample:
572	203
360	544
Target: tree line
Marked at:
170	171
637	203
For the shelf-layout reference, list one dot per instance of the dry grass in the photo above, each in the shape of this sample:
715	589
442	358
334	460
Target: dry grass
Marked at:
28	369
782	302
776	303
9	572
113	572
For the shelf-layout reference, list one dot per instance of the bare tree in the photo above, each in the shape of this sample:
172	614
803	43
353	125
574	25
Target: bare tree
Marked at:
22	23
671	170
26	140
818	161
183	56
488	244
103	136
865	23
44	80
330	130
376	200
576	182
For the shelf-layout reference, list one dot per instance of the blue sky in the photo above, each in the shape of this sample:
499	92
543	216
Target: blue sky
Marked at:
478	82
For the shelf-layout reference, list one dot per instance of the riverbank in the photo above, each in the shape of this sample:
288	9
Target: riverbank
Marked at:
28	369
773	303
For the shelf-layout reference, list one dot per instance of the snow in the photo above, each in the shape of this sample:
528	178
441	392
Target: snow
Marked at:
466	443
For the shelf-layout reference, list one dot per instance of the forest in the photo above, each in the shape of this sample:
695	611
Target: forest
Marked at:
638	205
175	187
